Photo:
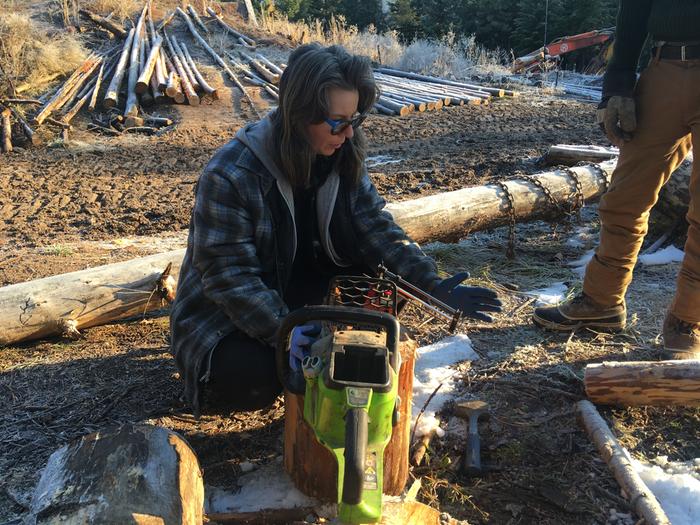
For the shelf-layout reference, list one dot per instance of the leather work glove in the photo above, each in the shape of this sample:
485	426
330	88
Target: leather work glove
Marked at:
302	337
471	300
618	119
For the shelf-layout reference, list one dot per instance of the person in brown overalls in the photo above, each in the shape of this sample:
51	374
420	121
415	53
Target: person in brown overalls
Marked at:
655	124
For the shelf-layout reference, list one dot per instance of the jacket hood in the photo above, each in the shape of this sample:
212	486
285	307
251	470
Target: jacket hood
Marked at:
258	137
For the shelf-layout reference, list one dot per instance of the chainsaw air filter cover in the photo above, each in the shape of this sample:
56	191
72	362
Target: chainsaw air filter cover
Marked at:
359	358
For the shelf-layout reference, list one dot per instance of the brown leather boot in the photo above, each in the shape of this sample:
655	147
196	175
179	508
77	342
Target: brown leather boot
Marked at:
681	339
581	312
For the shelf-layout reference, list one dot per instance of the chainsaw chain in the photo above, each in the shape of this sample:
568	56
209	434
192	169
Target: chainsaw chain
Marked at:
510	250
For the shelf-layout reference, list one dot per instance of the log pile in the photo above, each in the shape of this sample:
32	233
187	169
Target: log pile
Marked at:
119	83
403	92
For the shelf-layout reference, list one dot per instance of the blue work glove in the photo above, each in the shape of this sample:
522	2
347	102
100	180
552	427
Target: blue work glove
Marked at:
471	300
302	337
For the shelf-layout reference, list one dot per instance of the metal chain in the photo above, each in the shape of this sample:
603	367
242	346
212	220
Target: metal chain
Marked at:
547	193
603	174
579	198
510	250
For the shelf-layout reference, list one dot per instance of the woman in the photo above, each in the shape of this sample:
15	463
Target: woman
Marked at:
280	210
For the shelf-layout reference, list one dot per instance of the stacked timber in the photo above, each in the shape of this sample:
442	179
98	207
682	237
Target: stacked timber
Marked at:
403	92
115	85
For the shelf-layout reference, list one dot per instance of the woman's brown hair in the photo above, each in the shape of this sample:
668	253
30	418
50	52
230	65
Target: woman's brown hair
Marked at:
312	71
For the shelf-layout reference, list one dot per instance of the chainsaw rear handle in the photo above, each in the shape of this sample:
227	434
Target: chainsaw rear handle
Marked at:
341	314
356	435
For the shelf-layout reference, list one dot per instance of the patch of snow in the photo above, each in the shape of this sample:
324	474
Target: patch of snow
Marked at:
434	367
583	236
667	255
267	488
378	160
676	485
553	294
579	265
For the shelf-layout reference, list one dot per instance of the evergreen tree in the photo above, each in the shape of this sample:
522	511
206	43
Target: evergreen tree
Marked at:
362	13
404	19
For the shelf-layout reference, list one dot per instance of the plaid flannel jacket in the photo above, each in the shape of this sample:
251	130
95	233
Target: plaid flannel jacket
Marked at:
241	247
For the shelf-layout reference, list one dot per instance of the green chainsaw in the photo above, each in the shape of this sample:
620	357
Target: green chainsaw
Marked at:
350	382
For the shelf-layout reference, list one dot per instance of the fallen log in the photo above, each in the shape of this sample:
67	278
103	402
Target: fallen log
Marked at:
571	154
139	474
641	499
63	304
185	65
212	92
28	131
192	97
251	12
96	89
195	16
131	109
105	23
660	383
228	28
6	130
497	92
674	197
148	69
112	96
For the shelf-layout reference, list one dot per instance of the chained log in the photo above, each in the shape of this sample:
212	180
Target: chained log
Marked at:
63	304
641	499
6	130
112	96
633	383
105	23
140	474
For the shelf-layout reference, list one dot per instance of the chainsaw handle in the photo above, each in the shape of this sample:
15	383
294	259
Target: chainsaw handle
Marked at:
343	314
356	435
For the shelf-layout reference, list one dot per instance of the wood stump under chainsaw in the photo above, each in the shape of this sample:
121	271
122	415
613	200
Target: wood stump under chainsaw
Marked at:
138	474
312	466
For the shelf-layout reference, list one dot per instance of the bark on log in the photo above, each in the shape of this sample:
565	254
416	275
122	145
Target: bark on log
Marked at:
28	131
641	499
153	57
112	96
228	28
313	467
110	26
185	65
213	93
65	303
193	13
660	383
450	216
674	198
570	155
132	102
96	89
497	92
270	65
6	130
139	474
192	97
69	89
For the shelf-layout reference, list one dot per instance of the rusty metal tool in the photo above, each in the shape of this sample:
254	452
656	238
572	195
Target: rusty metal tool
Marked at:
471	411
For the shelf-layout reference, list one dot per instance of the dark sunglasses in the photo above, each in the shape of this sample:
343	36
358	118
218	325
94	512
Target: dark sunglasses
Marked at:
338	126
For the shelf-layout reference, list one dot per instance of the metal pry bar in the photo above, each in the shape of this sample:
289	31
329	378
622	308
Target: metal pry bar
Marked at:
426	301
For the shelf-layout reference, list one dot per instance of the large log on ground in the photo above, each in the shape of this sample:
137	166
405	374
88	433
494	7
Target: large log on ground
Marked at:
450	216
660	383
641	499
138	474
674	198
313	467
572	154
65	303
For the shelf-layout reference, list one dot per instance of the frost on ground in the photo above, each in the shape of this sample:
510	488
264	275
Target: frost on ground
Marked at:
551	295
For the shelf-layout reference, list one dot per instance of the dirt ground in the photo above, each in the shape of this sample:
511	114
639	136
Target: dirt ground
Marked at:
94	200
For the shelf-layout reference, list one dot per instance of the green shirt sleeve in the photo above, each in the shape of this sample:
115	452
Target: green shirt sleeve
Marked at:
630	34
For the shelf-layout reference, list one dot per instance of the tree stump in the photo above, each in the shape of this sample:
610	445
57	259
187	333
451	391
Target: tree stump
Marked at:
312	466
137	474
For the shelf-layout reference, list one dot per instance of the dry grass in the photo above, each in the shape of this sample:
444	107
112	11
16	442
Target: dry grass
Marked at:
29	53
450	56
120	9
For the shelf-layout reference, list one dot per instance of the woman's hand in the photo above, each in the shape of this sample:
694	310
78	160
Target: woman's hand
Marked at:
471	300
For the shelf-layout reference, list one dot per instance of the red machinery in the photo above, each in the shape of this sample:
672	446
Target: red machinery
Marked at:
540	58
